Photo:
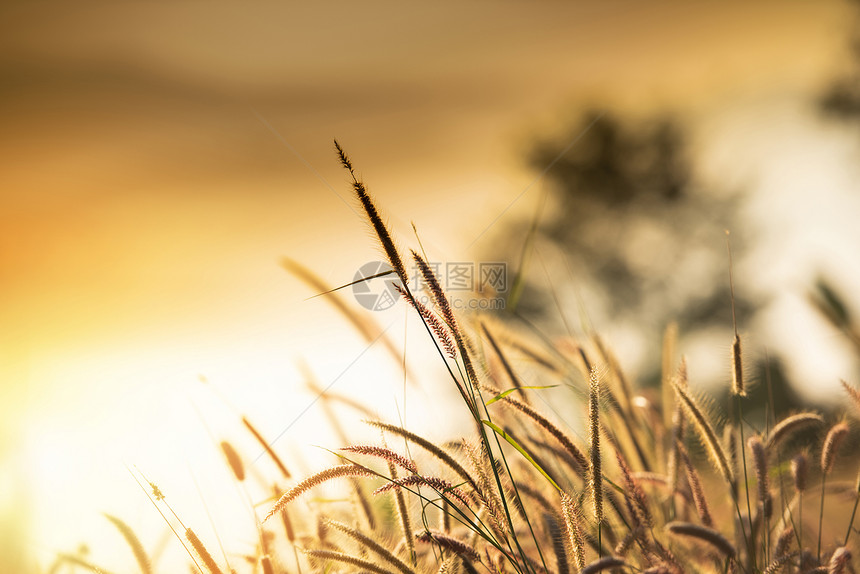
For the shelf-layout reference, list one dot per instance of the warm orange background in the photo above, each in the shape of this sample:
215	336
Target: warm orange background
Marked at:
157	158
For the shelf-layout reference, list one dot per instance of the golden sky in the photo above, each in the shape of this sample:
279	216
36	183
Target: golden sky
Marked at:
156	159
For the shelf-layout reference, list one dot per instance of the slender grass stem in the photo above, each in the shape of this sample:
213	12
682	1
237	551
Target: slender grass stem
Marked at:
749	542
853	513
821	513
800	520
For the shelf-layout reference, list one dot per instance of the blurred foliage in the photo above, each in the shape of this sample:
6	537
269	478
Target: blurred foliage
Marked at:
626	211
841	99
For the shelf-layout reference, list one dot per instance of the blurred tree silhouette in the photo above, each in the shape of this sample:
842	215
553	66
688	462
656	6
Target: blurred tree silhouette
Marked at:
841	99
627	211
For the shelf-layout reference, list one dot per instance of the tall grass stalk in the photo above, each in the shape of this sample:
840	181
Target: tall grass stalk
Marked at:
521	492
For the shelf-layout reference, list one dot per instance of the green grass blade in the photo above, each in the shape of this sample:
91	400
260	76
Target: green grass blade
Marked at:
512	441
503	394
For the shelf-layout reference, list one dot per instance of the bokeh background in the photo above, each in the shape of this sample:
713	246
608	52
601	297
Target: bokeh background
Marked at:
159	158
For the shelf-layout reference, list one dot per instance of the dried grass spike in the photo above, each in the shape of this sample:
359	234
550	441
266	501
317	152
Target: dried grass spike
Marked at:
790	425
596	474
706	432
133	541
778	563
429	447
266	564
737	368
315	480
371	544
637	502
834	438
548	426
455	545
573	524
336	556
703	533
839	560
288	524
759	456
440	485
201	551
267	447
853	394
554	530
375	219
604	563
233	460
443	335
436	291
699	498
385	454
783	542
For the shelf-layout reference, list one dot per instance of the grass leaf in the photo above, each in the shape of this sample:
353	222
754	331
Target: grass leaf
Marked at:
512	441
503	394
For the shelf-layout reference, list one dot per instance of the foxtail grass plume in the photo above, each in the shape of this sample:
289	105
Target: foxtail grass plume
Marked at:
315	480
376	221
385	454
289	531
462	549
133	541
800	471
443	335
738	387
336	556
201	551
548	426
853	394
573	525
596	477
706	432
696	488
266	446
605	563
790	425
233	460
266	564
832	441
440	485
440	454
709	535
759	456
839	560
370	544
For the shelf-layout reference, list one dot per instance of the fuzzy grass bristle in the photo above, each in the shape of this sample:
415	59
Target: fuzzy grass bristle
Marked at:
382	233
709	535
759	456
596	474
832	441
706	433
133	541
345	470
738	387
234	461
202	553
385	454
527	490
791	425
572	516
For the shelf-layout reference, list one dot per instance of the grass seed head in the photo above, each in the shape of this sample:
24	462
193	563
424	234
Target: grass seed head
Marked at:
737	368
234	461
834	438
